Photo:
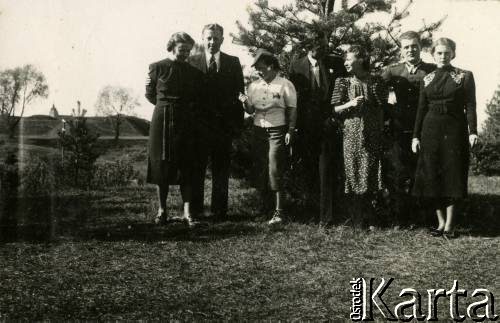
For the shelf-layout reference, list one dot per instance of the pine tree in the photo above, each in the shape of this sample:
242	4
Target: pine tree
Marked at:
79	148
284	31
491	132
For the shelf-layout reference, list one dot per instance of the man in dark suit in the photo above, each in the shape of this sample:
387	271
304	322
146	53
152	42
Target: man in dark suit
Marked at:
404	79
317	144
221	118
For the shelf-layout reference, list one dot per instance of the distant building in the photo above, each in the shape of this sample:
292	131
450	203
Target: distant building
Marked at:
53	112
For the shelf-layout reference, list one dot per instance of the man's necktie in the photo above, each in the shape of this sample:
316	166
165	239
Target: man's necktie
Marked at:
212	65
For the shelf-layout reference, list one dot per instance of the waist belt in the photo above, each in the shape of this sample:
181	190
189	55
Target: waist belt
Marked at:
171	99
441	107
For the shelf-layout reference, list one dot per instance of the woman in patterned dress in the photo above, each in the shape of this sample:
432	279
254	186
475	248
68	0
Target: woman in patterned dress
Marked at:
444	128
358	102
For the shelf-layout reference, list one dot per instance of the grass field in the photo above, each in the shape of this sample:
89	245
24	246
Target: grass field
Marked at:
100	258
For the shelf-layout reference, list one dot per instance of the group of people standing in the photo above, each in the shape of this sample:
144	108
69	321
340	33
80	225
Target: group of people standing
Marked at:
331	109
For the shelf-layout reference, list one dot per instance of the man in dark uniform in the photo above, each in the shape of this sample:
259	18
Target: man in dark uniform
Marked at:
317	145
404	81
221	118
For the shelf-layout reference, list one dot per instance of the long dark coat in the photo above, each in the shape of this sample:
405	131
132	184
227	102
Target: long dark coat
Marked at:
446	116
171	147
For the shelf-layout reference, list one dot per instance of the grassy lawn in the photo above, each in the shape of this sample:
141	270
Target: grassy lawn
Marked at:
109	263
96	256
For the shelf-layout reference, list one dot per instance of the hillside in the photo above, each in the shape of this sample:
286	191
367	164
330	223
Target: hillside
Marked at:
47	127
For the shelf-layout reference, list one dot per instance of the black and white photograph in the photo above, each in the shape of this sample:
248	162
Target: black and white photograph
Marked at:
249	160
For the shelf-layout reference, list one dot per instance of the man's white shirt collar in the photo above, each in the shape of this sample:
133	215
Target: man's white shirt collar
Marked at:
312	60
208	55
412	68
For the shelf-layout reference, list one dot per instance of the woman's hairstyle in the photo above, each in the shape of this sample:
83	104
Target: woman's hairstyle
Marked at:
360	54
410	35
180	37
445	42
270	61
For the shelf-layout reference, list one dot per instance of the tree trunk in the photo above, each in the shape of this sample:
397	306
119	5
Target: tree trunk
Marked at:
345	4
117	127
11	126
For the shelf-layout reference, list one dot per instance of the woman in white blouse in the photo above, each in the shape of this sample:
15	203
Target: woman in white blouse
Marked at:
273	101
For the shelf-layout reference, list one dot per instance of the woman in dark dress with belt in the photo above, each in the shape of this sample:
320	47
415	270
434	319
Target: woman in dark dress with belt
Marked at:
172	87
445	127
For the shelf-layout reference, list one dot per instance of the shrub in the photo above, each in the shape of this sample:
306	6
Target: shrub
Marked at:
38	178
9	176
486	159
113	173
9	183
242	157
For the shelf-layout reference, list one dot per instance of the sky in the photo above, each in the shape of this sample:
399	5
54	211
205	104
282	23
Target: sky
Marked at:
84	45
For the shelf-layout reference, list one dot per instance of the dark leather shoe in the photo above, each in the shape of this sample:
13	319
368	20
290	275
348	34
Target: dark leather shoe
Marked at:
160	218
219	216
188	220
435	232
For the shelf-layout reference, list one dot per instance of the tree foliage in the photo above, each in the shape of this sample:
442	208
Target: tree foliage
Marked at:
284	31
491	130
115	102
19	87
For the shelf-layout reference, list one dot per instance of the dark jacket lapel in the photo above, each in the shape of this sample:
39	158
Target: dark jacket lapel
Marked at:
323	74
304	67
224	62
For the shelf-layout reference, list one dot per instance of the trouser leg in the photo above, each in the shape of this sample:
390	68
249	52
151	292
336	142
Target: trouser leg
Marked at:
326	177
198	178
221	163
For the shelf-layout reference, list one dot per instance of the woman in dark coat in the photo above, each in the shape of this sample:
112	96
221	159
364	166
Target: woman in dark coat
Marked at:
445	127
172	87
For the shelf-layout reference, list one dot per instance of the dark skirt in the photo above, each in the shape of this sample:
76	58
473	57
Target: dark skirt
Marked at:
443	160
170	144
270	157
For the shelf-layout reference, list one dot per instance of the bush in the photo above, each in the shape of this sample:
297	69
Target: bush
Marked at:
113	173
9	177
242	157
38	178
486	159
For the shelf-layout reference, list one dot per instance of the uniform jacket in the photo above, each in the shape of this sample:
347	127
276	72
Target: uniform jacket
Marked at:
406	88
220	92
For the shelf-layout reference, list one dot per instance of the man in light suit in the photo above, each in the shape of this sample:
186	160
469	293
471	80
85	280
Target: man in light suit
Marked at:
317	143
221	118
